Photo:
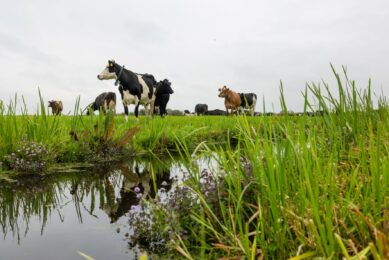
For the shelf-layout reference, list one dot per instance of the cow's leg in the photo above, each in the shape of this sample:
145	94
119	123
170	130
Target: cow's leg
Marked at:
105	107
111	107
136	111
125	112
152	108
253	106
239	111
164	105
147	111
164	113
162	108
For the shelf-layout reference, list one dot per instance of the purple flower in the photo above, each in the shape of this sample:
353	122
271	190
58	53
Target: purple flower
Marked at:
139	195
137	189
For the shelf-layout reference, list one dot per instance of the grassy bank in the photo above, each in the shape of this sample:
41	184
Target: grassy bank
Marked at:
289	187
34	143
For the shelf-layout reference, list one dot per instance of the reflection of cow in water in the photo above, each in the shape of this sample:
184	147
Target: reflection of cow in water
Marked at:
137	175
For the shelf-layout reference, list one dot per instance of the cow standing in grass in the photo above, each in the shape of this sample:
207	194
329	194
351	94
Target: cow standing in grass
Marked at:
232	99
238	101
134	88
201	109
105	101
162	93
56	107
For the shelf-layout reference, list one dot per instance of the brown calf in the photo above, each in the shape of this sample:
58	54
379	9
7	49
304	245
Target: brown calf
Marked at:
56	107
232	99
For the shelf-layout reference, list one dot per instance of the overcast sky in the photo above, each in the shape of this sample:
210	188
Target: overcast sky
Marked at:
60	46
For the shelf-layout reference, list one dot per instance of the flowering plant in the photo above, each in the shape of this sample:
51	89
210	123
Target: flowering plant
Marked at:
28	157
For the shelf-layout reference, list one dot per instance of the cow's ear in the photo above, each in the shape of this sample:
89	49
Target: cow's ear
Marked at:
220	89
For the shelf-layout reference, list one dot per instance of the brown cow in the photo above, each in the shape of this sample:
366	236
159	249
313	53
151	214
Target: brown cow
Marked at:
56	107
232	99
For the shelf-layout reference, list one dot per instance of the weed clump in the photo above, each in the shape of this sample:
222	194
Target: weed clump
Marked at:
29	157
100	142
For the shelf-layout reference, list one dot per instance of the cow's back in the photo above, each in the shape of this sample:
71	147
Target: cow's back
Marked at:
150	82
201	109
248	99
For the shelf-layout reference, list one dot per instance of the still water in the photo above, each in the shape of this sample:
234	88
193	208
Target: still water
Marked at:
60	215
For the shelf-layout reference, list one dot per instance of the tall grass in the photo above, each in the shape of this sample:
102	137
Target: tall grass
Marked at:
75	138
59	133
300	187
16	128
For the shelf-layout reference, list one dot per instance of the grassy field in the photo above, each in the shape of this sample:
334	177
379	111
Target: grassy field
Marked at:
284	186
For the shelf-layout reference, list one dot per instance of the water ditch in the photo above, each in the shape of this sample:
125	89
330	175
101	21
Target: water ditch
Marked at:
78	210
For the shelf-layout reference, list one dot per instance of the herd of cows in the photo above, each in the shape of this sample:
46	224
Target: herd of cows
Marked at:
143	89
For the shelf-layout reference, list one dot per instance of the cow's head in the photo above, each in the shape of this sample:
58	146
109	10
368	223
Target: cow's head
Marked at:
53	103
223	92
109	71
164	87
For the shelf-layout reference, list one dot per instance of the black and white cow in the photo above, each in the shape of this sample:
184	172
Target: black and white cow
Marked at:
105	101
162	94
248	101
200	109
134	88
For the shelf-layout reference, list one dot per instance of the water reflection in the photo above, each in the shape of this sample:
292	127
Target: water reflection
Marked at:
133	175
105	195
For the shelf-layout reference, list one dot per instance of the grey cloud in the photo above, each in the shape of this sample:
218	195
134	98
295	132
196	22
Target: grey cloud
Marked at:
21	48
140	32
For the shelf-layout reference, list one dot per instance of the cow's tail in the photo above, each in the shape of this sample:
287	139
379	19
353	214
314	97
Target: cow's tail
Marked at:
86	108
